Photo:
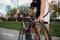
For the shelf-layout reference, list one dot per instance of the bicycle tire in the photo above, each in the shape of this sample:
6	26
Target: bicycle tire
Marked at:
44	29
24	34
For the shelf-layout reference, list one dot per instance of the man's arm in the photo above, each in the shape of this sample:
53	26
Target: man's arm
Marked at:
42	8
31	11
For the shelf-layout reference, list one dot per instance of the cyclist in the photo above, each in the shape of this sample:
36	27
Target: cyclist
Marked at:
42	7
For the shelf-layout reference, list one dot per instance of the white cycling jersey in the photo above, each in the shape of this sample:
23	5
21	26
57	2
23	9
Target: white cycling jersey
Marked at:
47	18
46	7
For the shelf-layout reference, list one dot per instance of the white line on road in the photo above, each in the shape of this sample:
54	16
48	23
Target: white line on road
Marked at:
9	34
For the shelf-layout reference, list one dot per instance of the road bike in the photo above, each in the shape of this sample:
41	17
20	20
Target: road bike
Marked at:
28	32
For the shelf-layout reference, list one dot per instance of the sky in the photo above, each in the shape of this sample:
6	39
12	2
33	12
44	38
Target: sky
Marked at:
4	3
12	3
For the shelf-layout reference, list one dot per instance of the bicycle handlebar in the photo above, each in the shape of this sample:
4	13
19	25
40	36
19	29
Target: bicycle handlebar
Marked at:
30	18
22	16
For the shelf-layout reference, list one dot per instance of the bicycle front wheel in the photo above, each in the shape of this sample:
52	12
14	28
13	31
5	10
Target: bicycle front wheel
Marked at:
43	33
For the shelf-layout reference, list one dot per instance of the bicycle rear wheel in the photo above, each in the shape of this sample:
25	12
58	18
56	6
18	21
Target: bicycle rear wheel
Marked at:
43	32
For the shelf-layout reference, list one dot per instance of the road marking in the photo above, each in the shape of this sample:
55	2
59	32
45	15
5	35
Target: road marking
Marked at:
9	34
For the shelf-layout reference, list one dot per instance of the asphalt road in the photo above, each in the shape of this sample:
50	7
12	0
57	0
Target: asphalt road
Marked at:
8	34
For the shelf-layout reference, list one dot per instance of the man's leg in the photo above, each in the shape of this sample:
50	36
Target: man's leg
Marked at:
47	26
38	31
47	18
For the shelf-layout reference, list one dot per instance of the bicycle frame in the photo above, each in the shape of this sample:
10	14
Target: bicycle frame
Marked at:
28	30
32	23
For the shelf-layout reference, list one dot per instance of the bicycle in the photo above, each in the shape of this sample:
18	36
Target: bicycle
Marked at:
26	33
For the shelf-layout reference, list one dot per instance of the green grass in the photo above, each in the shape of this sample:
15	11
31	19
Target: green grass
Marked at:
10	25
54	26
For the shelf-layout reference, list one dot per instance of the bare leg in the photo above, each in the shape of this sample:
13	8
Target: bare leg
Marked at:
38	31
47	26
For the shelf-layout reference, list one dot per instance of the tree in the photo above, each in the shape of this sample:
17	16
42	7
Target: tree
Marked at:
1	14
59	8
8	7
11	12
54	9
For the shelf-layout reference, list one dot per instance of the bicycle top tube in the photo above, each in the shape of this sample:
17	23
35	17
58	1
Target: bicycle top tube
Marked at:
30	18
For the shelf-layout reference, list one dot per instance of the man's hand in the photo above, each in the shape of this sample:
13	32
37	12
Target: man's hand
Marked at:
40	19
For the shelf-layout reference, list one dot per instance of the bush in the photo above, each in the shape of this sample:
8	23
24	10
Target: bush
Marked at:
11	19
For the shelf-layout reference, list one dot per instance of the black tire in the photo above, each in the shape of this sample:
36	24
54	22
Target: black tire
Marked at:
24	34
43	29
